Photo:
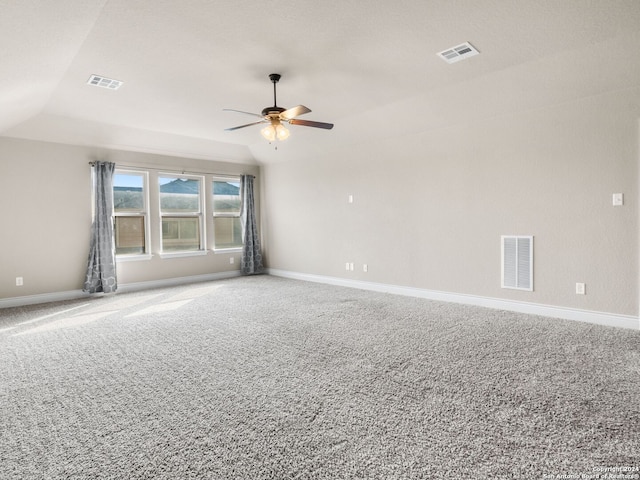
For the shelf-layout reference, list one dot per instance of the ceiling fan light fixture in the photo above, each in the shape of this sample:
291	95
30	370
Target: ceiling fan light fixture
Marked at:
281	132
269	133
275	130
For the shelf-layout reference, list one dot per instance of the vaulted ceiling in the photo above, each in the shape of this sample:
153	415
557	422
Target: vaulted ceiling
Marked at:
370	67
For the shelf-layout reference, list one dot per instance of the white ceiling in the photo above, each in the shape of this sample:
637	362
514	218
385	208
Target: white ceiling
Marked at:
368	66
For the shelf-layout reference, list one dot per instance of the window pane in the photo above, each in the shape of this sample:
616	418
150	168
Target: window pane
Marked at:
226	197
128	192
228	232
180	233
129	233
179	194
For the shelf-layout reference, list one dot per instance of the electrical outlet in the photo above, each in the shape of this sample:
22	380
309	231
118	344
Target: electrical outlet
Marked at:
581	289
351	267
365	268
618	199
19	281
232	260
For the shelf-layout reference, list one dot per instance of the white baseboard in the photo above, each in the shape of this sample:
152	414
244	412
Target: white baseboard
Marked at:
600	318
41	298
172	282
127	287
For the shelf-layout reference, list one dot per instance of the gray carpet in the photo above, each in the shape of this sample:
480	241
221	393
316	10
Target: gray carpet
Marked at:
268	378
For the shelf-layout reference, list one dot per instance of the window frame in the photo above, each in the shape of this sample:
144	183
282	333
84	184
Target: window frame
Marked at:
226	179
144	213
200	215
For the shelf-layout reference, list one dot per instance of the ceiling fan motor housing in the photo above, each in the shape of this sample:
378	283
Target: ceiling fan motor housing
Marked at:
268	111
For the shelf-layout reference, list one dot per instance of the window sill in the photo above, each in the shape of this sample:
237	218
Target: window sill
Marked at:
227	250
133	257
198	253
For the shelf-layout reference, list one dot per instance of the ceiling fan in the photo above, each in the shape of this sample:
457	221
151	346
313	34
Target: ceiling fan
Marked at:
275	117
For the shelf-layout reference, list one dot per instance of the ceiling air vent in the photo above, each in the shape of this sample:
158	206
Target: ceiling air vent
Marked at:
455	54
104	82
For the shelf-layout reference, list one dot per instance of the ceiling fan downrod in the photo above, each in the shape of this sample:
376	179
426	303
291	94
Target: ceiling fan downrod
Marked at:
275	110
275	78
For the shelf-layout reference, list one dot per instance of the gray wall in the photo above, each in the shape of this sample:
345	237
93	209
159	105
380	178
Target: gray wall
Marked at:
45	207
430	207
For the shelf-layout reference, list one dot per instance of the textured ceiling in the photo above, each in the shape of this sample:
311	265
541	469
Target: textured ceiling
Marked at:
367	66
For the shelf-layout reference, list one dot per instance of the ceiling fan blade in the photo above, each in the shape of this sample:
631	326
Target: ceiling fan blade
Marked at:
309	123
294	112
242	126
240	111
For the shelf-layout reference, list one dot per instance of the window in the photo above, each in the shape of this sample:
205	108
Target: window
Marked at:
226	213
181	213
130	212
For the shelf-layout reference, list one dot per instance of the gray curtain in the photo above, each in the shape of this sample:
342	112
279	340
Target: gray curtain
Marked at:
101	266
251	262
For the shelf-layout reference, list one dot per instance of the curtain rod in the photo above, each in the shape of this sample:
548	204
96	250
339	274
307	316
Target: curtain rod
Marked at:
183	172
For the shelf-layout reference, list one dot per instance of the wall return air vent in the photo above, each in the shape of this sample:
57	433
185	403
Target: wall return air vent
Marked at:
517	262
460	52
104	82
